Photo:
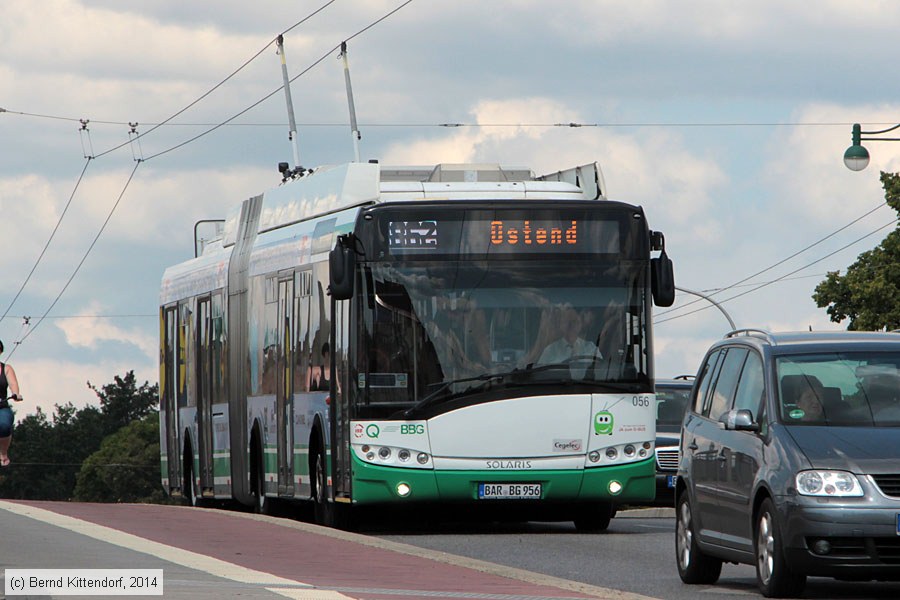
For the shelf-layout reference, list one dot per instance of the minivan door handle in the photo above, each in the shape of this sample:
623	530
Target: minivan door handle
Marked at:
693	445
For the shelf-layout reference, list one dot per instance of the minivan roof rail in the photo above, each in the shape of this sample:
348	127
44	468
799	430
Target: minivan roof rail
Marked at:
761	333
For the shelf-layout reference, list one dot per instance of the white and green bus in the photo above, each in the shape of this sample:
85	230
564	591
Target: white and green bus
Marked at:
466	335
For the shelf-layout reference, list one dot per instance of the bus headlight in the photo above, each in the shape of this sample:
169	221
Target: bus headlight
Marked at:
594	456
384	453
422	458
403	455
612	453
615	488
403	490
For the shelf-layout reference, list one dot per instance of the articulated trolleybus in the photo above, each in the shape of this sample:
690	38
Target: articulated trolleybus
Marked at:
462	335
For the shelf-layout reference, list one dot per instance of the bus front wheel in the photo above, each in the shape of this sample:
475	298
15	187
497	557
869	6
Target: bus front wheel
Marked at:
320	488
594	517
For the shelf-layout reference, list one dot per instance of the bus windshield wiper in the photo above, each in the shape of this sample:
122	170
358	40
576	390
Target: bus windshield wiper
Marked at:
444	386
515	377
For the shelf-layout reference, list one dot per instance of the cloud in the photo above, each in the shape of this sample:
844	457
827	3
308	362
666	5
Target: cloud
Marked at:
807	163
85	330
655	169
47	383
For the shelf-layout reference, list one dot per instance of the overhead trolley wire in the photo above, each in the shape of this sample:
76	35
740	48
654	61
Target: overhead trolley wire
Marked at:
573	125
277	90
768	283
83	258
218	85
89	158
779	263
141	160
50	239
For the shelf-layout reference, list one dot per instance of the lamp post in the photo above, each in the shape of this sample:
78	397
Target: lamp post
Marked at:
856	158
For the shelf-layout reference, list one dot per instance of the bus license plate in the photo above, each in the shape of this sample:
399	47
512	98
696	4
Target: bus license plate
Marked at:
507	491
671	480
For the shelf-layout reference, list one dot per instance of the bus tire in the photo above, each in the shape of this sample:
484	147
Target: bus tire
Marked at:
262	505
319	479
594	517
189	490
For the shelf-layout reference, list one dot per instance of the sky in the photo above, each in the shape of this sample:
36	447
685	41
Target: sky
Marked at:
726	121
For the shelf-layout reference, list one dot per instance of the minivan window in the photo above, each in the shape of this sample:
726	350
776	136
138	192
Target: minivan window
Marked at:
840	388
726	382
751	389
704	378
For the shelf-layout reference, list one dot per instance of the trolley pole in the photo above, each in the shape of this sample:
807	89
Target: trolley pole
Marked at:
354	129
292	135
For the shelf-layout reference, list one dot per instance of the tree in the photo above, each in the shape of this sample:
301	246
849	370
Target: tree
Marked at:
869	293
48	453
122	401
125	468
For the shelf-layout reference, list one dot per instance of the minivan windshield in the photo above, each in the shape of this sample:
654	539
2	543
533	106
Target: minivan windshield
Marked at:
840	389
671	402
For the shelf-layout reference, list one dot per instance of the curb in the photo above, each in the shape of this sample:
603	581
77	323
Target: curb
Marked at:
663	512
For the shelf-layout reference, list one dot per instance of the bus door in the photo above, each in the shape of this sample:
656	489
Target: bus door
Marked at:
284	397
340	447
168	397
204	394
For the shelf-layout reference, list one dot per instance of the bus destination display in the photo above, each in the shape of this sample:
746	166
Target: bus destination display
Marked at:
503	236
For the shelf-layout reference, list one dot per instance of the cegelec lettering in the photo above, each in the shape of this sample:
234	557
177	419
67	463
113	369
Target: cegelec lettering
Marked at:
503	234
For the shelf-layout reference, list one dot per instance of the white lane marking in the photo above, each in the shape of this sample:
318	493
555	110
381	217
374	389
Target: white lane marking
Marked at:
295	594
189	559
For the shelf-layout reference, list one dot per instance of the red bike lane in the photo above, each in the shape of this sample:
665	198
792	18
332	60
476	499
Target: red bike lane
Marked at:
354	565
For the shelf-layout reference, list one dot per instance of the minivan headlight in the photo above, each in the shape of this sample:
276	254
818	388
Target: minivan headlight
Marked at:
828	483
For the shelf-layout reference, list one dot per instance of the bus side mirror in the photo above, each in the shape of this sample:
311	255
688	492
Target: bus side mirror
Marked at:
662	280
342	268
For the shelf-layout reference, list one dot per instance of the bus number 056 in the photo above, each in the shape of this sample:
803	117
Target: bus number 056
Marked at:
640	401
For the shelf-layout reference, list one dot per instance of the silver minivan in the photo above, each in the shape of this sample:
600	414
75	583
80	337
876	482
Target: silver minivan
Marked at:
790	460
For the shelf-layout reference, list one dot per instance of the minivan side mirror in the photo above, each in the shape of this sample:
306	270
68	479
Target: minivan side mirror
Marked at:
740	419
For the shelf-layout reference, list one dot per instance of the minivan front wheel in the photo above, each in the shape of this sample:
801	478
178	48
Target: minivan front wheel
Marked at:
773	576
693	565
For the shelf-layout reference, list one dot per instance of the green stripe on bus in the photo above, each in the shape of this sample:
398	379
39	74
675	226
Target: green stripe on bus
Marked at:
373	484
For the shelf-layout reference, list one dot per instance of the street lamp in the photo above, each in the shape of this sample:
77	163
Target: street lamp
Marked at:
857	157
711	301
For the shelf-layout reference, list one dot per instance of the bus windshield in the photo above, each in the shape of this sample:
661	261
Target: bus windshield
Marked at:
446	328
